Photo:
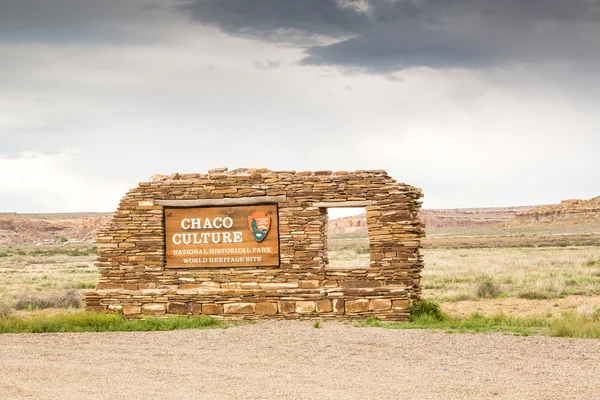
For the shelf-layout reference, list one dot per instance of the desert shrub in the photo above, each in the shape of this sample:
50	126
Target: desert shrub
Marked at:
588	310
456	297
486	286
592	263
6	307
363	250
64	299
576	325
426	309
541	295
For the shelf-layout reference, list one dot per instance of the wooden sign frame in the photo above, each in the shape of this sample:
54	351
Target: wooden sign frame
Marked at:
225	236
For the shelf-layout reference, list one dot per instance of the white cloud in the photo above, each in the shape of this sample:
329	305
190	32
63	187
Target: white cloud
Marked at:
33	182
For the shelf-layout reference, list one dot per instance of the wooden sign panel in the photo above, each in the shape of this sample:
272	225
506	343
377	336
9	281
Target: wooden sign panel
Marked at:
206	237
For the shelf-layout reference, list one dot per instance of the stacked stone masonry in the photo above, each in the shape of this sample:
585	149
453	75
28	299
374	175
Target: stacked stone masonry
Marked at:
131	250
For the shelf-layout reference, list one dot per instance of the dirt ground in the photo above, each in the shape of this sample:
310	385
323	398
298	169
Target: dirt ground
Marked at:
294	360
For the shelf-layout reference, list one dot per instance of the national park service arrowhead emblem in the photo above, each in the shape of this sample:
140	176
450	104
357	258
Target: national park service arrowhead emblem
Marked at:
259	223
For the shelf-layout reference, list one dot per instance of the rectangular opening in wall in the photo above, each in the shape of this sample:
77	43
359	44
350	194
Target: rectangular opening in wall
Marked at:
347	238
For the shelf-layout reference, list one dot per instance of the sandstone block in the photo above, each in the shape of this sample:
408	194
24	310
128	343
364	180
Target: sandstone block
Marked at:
249	285
266	308
104	286
304	307
146	285
149	292
239	308
380	304
195	308
339	306
286	307
178	308
130	286
324	306
277	286
187	291
154	309
212	309
400	304
360	284
310	284
356	306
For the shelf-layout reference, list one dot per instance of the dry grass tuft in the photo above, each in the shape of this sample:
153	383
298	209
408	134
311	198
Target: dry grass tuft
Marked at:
588	310
486	286
63	299
6	307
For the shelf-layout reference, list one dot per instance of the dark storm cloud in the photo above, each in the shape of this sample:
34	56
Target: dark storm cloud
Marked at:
75	20
388	35
277	19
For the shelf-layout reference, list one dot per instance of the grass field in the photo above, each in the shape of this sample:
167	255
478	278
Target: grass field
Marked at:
516	277
557	234
528	273
35	277
555	284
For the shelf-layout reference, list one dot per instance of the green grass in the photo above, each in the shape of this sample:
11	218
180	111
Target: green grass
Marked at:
430	316
97	322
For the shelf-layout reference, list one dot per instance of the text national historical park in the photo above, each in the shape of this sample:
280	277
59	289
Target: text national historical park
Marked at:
252	243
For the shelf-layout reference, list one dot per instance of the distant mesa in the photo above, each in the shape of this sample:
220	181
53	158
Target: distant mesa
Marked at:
356	224
50	228
572	211
469	217
82	227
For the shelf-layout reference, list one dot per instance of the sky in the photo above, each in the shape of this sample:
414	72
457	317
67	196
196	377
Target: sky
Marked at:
480	103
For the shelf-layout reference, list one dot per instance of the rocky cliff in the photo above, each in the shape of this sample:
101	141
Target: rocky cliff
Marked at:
50	228
435	219
572	211
468	217
356	224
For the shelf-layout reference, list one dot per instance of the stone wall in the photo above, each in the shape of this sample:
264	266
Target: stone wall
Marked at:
131	250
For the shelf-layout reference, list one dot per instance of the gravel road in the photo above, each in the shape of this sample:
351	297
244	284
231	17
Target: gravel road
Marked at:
293	360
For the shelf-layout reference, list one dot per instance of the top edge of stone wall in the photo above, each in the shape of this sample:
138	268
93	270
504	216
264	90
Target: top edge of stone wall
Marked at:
223	172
